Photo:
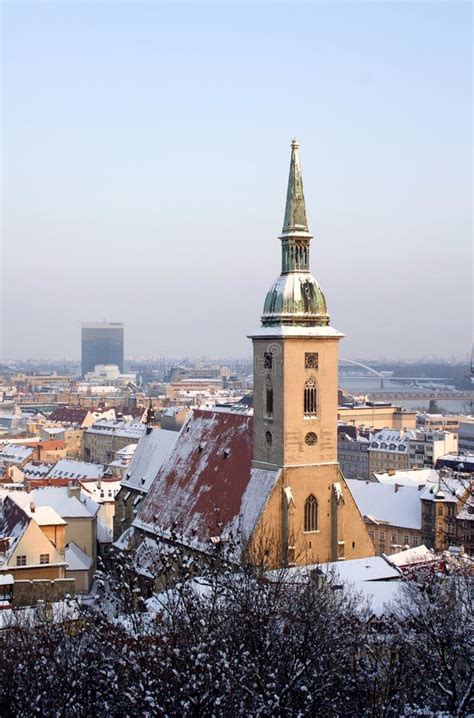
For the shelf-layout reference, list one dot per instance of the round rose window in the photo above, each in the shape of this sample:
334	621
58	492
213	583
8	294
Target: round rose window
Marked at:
311	438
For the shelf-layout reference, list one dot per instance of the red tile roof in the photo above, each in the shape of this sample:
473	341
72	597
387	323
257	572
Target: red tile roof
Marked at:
198	491
69	415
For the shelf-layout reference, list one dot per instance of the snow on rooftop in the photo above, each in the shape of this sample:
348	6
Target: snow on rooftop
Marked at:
44	515
58	497
382	502
199	488
408	478
449	489
101	491
255	497
151	451
72	469
76	559
16	452
129	429
416	554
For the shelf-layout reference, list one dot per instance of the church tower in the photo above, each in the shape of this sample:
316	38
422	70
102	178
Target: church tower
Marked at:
295	405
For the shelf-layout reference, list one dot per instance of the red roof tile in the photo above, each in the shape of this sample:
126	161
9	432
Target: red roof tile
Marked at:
198	491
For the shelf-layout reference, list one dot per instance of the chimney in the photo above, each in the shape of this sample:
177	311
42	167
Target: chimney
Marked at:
73	489
32	507
391	472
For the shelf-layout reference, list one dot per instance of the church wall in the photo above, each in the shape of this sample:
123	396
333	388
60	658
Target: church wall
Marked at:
324	422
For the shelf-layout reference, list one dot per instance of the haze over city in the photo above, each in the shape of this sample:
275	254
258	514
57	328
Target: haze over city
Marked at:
145	160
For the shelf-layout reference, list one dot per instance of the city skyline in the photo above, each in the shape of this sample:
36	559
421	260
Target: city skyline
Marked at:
161	209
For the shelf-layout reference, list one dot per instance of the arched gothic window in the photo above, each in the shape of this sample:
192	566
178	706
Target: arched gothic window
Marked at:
310	398
268	396
311	513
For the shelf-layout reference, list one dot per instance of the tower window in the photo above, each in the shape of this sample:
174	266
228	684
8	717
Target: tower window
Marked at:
311	513
311	360
268	438
267	360
310	398
268	396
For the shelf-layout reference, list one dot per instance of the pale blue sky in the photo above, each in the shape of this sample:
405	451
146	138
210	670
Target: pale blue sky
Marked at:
145	160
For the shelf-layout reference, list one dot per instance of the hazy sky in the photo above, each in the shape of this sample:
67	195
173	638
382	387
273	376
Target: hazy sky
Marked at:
145	161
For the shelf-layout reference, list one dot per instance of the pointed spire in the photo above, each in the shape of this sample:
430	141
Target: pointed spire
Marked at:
150	417
295	210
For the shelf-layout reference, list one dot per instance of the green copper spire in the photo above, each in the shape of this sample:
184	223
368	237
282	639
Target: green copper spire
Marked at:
295	298
295	210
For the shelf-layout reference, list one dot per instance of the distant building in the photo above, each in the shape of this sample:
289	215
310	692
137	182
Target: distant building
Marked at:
466	435
392	514
102	343
438	422
173	417
389	449
352	453
377	415
445	507
462	461
427	446
103	439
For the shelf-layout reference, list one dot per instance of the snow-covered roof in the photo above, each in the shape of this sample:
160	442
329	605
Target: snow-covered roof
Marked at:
199	489
129	429
391	440
43	514
76	559
72	469
413	555
12	453
394	505
255	497
465	459
36	469
128	450
101	491
13	524
58	497
448	489
353	571
408	478
151	451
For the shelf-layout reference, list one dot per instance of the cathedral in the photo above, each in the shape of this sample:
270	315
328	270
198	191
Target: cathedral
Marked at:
271	482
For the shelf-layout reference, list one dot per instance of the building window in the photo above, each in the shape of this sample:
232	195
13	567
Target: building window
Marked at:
310	398
394	538
311	438
440	510
311	514
311	360
372	535
382	535
268	438
44	558
406	539
21	560
268	396
268	360
414	541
